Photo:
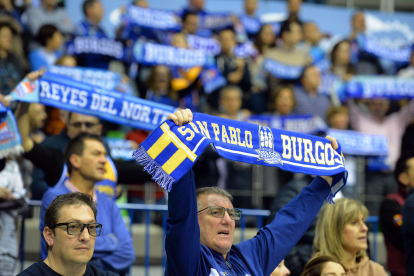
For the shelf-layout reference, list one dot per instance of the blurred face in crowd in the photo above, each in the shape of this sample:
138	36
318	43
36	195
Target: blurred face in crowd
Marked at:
285	101
55	42
378	107
333	269
231	101
37	115
250	6
190	24
141	3
69	61
198	4
79	123
311	78
339	121
161	77
49	3
358	22
95	12
295	35
6	38
227	41
70	249
412	58
311	33
281	270
342	56
215	233
355	235
267	35
294	6
91	164
407	177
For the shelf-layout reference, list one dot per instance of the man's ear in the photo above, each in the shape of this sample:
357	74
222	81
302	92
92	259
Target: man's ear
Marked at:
49	236
75	161
403	178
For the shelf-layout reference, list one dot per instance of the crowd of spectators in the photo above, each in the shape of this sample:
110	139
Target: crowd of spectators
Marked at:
34	37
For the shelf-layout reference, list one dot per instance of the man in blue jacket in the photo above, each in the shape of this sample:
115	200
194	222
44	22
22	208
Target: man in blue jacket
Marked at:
201	227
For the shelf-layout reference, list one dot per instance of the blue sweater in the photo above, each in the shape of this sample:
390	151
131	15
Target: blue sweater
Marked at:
258	256
113	247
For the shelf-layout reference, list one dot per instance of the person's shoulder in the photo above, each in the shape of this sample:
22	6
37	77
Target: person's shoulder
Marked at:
377	268
96	271
36	269
53	192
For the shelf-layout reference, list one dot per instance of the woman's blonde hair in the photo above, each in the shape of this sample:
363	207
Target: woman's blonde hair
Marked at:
329	235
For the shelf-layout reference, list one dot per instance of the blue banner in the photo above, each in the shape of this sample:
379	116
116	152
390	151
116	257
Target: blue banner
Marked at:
374	48
245	50
98	77
368	87
215	21
10	140
357	143
328	84
94	45
306	124
152	19
209	46
282	71
68	94
252	25
157	54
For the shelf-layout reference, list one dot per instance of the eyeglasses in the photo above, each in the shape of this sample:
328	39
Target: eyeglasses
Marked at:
218	212
86	124
76	228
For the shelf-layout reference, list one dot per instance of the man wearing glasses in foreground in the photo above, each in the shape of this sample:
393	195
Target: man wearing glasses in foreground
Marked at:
201	227
70	232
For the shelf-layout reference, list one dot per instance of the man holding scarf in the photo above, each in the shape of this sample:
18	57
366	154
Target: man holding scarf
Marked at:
201	227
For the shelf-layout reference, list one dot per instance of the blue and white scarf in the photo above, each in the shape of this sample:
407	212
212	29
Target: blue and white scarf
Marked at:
245	50
215	21
252	25
95	45
170	151
152	18
369	87
328	84
65	93
282	71
209	46
121	149
98	77
374	48
10	140
306	124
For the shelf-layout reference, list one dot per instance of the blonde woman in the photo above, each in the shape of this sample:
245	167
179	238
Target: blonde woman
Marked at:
341	232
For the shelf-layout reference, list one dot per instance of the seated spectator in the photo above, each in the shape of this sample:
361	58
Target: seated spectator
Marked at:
337	117
409	71
293	7
231	99
11	71
48	13
408	224
391	219
190	23
12	200
324	266
7	9
265	39
249	20
341	60
380	182
312	38
71	229
234	69
308	100
341	232
159	86
51	40
282	101
281	270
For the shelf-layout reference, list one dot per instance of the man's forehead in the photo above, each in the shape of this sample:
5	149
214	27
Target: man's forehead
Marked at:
77	212
92	144
77	117
215	200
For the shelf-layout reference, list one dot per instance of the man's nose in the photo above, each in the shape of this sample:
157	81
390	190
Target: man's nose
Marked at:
84	235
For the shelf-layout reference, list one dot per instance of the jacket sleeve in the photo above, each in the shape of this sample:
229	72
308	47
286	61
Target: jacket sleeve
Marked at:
124	255
182	243
392	231
274	241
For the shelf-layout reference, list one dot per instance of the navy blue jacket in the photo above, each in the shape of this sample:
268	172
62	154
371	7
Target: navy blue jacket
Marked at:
258	256
408	232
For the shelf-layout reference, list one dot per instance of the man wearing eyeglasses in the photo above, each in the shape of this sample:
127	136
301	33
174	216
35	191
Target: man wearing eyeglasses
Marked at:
70	231
201	227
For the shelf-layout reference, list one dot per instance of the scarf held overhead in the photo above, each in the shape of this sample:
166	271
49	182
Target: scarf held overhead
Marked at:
10	141
65	93
170	151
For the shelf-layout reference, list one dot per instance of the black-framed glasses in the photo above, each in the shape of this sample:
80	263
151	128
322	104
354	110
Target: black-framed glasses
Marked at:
87	124
218	212
76	228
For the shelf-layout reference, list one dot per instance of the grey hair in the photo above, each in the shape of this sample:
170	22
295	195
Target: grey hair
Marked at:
231	87
211	190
